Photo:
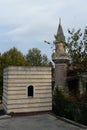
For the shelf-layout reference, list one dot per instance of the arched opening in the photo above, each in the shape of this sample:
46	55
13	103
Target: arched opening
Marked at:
30	91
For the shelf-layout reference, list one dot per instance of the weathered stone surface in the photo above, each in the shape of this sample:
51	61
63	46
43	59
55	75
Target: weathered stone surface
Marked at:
15	89
60	74
60	58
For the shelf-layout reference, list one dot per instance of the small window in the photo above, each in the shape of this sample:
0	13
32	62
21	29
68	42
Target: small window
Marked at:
30	91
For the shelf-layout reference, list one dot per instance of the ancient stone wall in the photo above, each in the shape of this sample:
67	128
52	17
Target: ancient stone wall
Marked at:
16	81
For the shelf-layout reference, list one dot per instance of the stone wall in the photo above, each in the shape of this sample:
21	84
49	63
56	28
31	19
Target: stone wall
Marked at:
60	75
15	89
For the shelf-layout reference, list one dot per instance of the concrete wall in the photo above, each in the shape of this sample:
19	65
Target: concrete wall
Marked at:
15	84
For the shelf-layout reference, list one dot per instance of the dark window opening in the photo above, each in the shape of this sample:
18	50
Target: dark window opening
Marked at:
73	83
73	87
30	90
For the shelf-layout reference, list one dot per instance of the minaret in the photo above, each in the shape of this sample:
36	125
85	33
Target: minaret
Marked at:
60	58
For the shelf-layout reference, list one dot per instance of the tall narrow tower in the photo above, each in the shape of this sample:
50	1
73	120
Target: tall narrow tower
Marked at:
60	58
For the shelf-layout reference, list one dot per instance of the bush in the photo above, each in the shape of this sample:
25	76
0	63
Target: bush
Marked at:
59	102
69	107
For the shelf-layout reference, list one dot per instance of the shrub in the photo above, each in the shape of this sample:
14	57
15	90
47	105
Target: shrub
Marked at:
69	107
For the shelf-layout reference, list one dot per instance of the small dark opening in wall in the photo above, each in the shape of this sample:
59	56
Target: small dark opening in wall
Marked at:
73	82
30	90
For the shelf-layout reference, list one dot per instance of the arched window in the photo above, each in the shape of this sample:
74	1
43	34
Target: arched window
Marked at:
30	91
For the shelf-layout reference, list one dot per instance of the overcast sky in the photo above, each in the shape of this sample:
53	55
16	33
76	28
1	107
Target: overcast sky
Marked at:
27	23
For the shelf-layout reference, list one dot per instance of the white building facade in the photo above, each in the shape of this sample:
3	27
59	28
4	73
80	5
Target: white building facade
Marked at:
27	89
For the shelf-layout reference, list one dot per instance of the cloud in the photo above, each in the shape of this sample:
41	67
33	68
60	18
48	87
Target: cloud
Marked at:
27	23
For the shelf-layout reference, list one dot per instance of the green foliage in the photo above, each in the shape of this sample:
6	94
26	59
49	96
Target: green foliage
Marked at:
77	49
83	114
68	107
58	102
35	58
62	106
13	57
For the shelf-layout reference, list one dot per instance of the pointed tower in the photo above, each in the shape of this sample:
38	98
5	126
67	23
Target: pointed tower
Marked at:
60	36
60	58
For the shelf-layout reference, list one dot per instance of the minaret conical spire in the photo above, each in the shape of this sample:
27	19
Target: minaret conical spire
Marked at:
60	35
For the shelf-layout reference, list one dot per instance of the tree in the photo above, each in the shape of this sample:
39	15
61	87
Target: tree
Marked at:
35	58
13	57
45	61
77	49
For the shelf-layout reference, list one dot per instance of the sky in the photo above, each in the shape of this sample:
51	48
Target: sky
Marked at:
25	24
